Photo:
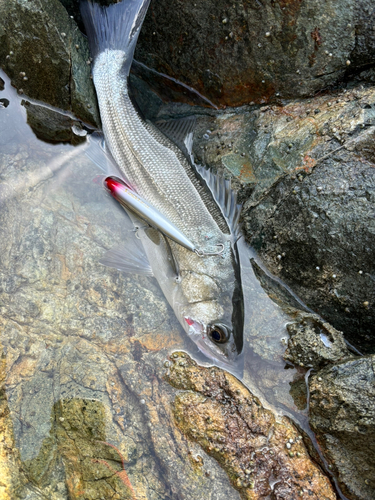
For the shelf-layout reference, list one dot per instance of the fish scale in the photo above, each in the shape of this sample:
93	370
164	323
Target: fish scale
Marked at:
165	183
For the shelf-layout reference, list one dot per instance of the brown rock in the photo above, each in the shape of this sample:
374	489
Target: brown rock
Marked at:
262	456
12	480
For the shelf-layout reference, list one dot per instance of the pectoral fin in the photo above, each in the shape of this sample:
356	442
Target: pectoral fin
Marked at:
99	154
128	257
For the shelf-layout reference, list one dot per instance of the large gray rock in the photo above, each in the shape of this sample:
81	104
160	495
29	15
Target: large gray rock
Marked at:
342	414
45	55
308	180
238	52
234	53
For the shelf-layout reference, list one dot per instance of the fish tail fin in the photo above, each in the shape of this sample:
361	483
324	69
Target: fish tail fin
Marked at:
114	27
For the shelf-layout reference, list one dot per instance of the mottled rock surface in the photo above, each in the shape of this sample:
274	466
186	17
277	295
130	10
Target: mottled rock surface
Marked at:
12	480
342	414
45	55
306	176
249	51
261	455
314	343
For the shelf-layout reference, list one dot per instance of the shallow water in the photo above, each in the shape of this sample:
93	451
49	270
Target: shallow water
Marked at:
78	335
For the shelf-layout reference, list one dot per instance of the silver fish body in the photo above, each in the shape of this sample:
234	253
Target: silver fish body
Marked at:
207	297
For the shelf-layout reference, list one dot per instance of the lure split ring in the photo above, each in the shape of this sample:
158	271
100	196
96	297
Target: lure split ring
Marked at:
202	253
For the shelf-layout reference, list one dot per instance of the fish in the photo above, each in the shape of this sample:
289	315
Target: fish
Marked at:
186	218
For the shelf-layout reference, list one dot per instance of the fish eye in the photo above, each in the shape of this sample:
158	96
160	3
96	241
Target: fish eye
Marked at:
218	333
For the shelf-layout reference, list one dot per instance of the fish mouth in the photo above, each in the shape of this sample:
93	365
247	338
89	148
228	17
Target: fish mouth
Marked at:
235	366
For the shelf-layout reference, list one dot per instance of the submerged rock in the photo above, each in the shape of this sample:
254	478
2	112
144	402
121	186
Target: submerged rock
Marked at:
54	127
342	414
46	56
262	456
84	345
12	479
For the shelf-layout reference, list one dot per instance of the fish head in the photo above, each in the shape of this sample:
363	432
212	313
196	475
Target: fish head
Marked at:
213	317
220	339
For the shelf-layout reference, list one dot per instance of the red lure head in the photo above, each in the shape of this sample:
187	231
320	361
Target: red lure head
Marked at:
113	184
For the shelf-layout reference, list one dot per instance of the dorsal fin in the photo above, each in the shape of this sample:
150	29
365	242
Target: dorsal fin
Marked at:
180	132
225	198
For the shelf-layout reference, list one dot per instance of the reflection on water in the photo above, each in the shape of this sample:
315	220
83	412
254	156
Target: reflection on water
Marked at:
84	346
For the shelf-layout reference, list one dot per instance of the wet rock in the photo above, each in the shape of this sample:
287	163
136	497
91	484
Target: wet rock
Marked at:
46	56
54	127
314	343
84	344
91	467
310	215
230	424
342	414
364	50
237	53
12	480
